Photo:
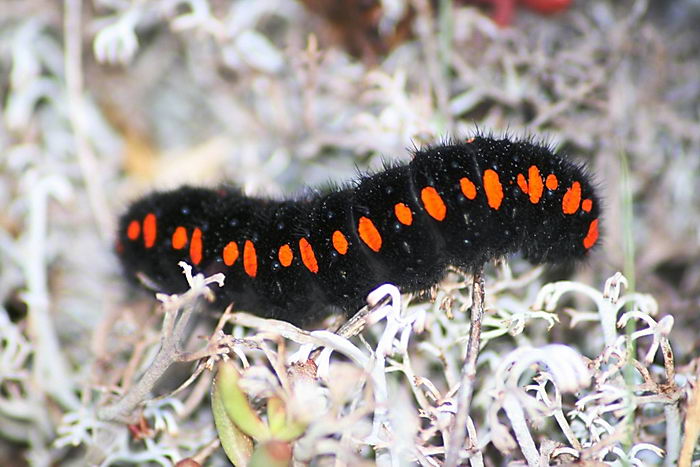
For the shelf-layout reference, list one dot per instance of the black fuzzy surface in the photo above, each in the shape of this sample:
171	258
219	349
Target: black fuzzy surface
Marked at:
413	257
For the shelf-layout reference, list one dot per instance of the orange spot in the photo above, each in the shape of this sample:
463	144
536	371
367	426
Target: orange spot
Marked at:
587	205
196	246
179	238
534	182
149	230
552	182
340	243
230	253
133	231
592	235
369	234
493	188
285	255
403	214
307	255
433	203
471	140
522	183
572	198
250	259
468	188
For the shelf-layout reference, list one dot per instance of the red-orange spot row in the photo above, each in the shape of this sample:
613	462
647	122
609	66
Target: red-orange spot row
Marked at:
179	238
230	253
592	235
433	203
534	183
250	259
572	199
134	230
552	182
471	140
403	214
468	188
493	188
587	205
285	255
340	243
196	246
369	234
307	255
149	230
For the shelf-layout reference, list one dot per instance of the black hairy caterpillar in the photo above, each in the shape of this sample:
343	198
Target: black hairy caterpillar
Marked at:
455	204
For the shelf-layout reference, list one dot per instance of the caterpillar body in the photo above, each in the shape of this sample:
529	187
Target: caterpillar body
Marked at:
457	204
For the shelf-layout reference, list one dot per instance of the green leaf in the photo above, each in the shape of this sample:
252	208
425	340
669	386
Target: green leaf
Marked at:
272	453
237	446
281	427
236	403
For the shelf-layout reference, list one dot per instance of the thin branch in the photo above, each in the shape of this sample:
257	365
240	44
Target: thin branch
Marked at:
89	165
466	390
174	331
